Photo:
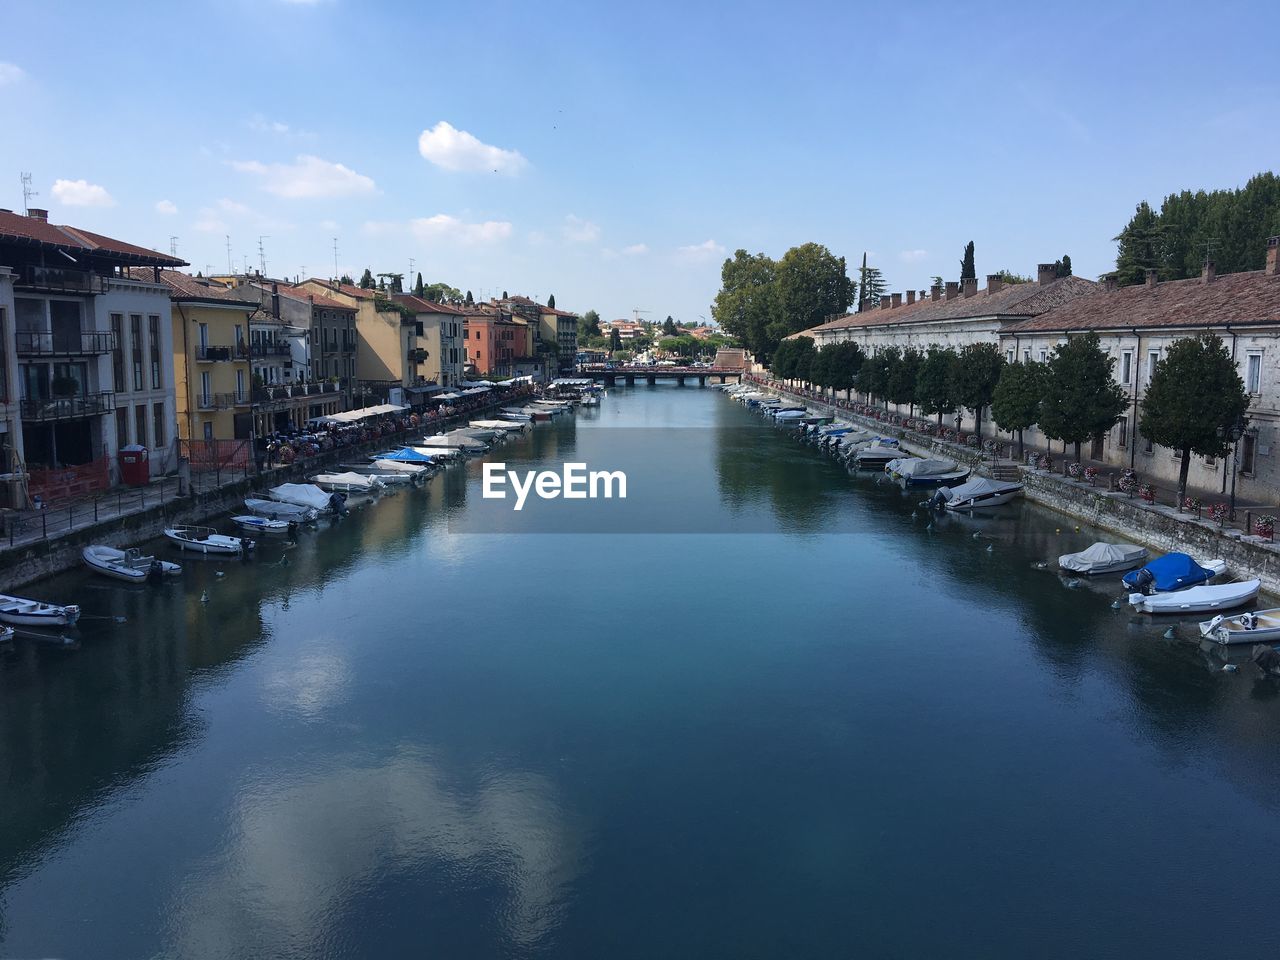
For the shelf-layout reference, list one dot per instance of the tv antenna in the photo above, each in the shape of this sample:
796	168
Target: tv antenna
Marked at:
173	246
336	275
409	277
262	256
27	193
230	267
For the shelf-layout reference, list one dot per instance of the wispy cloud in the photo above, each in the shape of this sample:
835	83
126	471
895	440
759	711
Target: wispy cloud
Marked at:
577	230
167	207
913	256
444	227
10	73
636	250
81	193
452	149
700	252
307	178
218	217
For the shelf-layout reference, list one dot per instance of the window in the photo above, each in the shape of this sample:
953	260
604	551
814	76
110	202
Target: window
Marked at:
1008	356
1248	452
1126	366
1122	433
153	323
1153	358
157	423
1044	356
208	429
1026	355
140	423
135	333
4	362
206	385
1253	373
117	351
122	427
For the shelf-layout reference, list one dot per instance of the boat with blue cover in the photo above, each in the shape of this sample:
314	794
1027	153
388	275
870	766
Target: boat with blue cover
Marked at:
1173	571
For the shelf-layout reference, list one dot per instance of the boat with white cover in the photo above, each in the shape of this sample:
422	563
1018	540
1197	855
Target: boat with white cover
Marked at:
348	482
410	471
265	525
927	472
1262	626
976	494
1104	558
279	510
1201	599
22	612
452	441
516	413
506	426
130	565
875	456
307	495
206	540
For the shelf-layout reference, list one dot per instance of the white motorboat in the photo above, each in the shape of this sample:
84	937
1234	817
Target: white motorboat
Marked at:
875	456
483	434
130	565
1104	558
506	426
439	454
516	413
22	612
927	472
206	540
1201	599
1173	571
453	441
348	482
265	525
975	494
306	495
1262	626
279	510
411	471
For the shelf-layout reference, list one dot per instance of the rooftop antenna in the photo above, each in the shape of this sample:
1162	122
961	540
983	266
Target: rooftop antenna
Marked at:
262	256
230	268
27	193
409	276
336	275
173	246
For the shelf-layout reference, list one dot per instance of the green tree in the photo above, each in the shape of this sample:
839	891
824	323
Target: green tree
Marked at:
470	302
615	340
346	278
813	287
747	300
1081	398
551	301
394	282
871	286
589	325
1193	398
967	269
937	281
933	385
1062	268
441	293
1139	246
1009	277
873	375
793	359
418	288
841	364
974	376
366	280
1016	403
669	327
904	377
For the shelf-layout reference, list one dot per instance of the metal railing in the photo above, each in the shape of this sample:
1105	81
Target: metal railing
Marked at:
34	343
209	352
267	348
68	408
60	278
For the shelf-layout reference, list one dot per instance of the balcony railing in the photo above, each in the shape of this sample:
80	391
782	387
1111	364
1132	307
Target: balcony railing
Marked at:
33	343
265	348
65	279
210	353
68	408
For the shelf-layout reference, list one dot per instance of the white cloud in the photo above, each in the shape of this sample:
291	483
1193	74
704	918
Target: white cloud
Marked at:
577	230
636	250
699	252
913	256
10	73
329	225
214	218
307	177
261	124
209	222
167	207
444	227
234	207
81	193
452	149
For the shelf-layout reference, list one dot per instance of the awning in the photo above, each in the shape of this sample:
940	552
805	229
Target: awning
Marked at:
352	416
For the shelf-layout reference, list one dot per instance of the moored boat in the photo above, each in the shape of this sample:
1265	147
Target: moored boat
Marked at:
206	540
1201	599
1262	626
409	471
1103	558
1173	571
348	482
279	510
308	495
876	455
975	494
23	612
130	565
265	525
927	472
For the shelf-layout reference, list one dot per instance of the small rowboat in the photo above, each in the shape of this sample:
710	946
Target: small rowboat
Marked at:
34	613
265	525
206	540
1201	599
1260	627
127	565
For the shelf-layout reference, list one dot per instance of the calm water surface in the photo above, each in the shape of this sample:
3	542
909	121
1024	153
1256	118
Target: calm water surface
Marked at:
832	733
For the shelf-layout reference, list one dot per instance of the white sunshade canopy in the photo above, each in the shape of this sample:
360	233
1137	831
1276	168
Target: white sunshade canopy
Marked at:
351	416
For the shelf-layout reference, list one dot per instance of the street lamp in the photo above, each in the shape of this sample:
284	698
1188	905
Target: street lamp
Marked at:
1233	432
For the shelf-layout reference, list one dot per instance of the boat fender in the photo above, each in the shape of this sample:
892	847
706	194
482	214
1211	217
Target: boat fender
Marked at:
1136	599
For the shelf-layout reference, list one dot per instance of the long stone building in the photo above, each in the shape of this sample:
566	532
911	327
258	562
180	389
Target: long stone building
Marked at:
1135	325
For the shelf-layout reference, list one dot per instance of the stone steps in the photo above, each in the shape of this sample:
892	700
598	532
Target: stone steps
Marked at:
1006	473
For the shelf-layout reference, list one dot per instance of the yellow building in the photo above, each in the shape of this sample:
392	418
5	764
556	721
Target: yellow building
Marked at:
211	362
387	333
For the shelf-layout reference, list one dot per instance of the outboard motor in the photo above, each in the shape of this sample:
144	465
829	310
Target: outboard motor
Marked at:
1145	580
247	547
293	529
338	503
155	572
939	499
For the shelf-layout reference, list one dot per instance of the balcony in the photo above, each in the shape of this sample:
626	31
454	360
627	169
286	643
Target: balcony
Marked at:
68	408
33	343
214	401
267	348
60	279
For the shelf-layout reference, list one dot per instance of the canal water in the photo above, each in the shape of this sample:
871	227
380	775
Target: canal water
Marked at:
811	725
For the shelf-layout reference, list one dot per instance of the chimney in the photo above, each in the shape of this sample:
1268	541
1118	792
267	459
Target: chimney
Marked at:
35	213
994	283
885	303
1046	273
897	300
911	297
970	286
1151	277
922	294
952	287
1208	271
1110	284
935	292
1273	256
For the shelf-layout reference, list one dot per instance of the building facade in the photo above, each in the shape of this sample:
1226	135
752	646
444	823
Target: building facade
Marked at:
440	350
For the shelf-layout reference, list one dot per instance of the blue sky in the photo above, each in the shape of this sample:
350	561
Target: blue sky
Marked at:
614	154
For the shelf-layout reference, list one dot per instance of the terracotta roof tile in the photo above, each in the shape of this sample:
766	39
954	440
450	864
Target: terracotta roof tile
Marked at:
183	288
316	299
422	305
17	228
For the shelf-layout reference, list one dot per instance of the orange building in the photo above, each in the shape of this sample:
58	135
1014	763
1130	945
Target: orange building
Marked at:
493	341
